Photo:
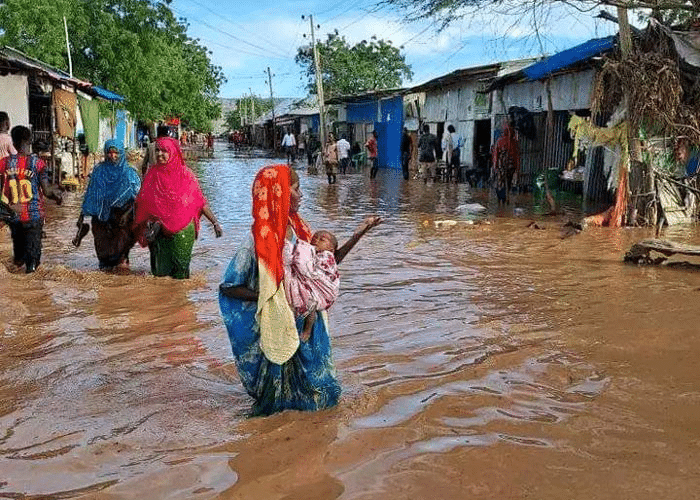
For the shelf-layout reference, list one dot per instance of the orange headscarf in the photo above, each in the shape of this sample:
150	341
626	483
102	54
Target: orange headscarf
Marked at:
279	338
271	215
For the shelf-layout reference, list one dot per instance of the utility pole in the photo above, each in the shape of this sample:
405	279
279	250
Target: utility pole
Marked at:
252	105
272	101
319	86
70	61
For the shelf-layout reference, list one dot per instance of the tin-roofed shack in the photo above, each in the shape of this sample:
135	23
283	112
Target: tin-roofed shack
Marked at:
461	99
457	99
300	117
49	101
660	80
569	75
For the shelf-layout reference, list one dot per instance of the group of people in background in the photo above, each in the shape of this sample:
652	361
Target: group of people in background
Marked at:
162	211
436	159
335	156
439	160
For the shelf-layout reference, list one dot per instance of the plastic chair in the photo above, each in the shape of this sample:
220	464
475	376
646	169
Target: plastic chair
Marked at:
359	160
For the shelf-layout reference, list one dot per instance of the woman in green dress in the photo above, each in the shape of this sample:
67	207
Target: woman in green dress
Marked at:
168	209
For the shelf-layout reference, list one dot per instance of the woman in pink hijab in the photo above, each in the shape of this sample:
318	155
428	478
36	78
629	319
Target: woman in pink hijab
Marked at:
168	209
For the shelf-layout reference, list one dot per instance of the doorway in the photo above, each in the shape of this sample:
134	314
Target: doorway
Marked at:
440	131
481	155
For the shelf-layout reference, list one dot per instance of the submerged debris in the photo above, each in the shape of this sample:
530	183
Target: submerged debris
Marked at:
571	228
641	252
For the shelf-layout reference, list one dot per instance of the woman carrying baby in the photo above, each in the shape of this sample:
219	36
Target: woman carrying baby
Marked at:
277	369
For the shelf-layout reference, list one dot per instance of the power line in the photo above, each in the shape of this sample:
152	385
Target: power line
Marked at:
352	6
332	8
417	35
238	39
240	26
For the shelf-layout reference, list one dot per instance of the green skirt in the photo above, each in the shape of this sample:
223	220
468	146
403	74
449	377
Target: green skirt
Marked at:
171	255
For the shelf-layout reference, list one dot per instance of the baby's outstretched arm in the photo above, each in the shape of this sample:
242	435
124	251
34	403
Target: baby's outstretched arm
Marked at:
366	225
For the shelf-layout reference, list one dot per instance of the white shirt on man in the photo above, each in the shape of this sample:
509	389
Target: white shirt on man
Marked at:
343	147
288	140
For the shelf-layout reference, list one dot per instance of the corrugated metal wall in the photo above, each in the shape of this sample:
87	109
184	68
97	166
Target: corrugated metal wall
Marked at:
362	112
532	151
569	91
458	105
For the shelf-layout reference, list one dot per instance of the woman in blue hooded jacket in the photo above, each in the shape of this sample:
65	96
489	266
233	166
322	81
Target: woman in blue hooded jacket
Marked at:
109	200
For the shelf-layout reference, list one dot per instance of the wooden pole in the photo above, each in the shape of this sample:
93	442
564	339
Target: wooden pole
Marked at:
620	212
53	143
70	61
272	101
319	88
549	145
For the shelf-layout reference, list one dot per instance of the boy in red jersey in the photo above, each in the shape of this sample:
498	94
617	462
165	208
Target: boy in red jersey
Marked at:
24	185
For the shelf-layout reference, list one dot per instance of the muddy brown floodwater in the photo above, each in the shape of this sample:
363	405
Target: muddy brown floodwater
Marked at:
482	361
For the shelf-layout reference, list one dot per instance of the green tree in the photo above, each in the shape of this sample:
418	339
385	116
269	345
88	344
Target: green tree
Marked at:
244	111
136	48
346	69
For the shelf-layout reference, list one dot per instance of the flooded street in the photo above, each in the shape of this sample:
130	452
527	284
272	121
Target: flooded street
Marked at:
482	361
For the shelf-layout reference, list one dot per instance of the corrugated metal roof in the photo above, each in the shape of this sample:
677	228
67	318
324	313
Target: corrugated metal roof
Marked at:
367	96
22	60
107	94
488	70
564	59
510	67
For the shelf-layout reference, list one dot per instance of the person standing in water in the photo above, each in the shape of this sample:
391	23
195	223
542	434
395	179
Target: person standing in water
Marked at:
167	212
109	200
406	150
25	182
278	369
371	146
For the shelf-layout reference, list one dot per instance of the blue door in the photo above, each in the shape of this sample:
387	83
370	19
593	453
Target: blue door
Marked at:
382	144
120	132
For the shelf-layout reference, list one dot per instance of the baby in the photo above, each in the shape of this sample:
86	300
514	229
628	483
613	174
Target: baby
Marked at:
6	146
311	279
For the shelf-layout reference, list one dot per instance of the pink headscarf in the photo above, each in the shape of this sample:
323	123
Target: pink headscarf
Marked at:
170	194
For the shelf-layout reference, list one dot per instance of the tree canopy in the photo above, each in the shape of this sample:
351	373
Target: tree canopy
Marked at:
244	111
136	48
368	65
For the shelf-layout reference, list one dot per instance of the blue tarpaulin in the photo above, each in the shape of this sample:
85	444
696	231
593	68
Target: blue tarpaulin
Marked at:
566	58
107	94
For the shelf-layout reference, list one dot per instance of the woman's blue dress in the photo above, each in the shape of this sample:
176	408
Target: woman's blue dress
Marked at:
306	382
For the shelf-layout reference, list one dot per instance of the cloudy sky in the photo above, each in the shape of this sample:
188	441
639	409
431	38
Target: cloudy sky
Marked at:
248	36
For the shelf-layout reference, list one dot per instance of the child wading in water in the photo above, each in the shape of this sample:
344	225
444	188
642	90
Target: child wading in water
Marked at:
311	279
